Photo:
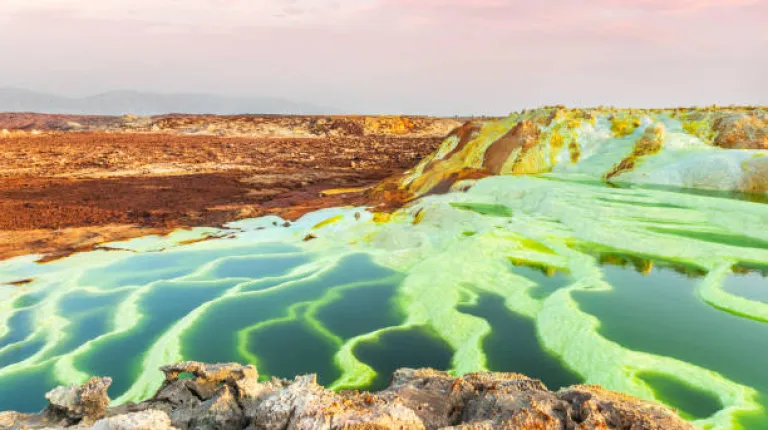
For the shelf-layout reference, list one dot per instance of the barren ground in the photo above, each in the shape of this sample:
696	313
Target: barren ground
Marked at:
62	192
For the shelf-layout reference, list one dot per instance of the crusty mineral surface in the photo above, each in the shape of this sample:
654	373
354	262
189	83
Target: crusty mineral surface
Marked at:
69	183
229	396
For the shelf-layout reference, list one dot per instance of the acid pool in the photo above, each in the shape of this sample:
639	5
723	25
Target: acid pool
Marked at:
653	292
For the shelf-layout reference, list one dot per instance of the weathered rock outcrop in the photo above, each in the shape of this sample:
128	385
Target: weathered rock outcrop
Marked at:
67	406
742	131
706	148
229	396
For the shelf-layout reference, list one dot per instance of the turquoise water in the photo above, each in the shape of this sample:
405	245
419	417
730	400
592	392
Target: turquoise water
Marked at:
689	402
512	345
414	347
749	283
649	292
659	313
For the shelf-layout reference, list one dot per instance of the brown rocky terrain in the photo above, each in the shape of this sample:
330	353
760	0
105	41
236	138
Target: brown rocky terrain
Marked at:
111	178
230	396
308	126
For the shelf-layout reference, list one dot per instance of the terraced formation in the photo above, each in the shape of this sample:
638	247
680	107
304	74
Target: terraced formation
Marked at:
622	248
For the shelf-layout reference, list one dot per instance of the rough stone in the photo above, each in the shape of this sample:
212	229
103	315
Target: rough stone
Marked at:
742	131
222	411
86	403
145	420
595	407
229	396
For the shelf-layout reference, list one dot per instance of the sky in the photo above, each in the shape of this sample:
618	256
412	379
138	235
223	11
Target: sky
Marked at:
396	56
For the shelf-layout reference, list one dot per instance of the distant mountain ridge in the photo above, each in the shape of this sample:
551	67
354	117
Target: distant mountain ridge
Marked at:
147	103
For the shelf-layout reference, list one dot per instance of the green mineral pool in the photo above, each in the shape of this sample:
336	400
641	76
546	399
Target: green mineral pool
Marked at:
657	293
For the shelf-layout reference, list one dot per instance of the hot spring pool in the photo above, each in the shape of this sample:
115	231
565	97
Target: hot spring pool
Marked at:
656	293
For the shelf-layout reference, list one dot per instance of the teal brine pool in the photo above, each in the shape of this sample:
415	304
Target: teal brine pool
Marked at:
657	293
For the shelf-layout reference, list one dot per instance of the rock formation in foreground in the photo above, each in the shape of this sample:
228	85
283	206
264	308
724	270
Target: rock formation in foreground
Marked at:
229	396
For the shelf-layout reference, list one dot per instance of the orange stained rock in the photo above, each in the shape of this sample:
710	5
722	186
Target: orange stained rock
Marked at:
650	143
742	131
556	143
574	150
449	178
532	160
521	137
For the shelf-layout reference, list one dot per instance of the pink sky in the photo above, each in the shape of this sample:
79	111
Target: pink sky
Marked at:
417	56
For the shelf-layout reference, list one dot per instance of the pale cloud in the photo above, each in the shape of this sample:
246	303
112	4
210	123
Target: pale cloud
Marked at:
201	15
679	6
441	56
194	13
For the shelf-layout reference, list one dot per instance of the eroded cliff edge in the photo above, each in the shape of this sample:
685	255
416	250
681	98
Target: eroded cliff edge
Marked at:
230	396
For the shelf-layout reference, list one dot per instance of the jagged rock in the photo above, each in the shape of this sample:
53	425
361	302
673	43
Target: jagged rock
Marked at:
293	402
483	399
742	131
595	407
306	405
222	411
229	396
244	378
68	406
211	399
436	397
9	420
214	372
512	406
145	420
86	403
